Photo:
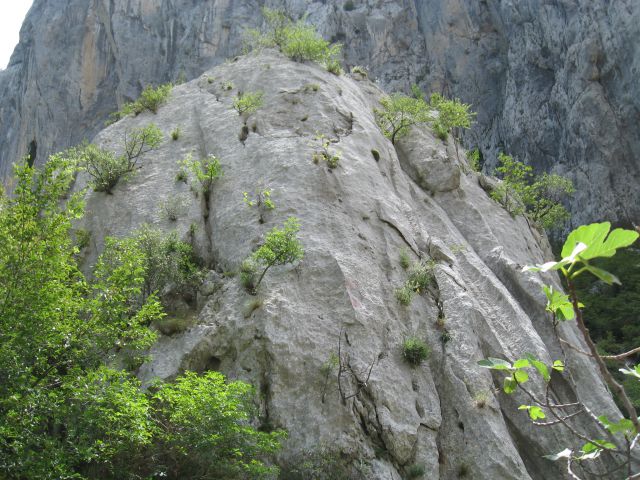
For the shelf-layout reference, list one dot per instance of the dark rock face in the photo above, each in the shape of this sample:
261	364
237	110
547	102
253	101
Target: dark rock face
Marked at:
553	82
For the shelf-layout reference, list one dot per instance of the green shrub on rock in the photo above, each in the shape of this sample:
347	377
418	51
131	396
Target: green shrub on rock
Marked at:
415	350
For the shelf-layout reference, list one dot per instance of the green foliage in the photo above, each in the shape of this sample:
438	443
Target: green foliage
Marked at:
150	99
204	428
248	102
281	246
416	470
583	246
421	275
404	295
204	171
323	153
297	40
451	114
474	156
400	112
262	201
174	207
405	260
539	196
248	271
359	70
415	350
63	413
106	168
611	311
83	238
348	6
175	134
167	261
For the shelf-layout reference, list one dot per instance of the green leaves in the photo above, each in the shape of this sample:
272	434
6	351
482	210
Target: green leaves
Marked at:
558	303
634	372
400	112
517	374
598	244
586	243
535	413
281	246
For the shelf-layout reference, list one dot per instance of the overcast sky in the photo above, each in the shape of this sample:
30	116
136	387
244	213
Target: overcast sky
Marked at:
12	14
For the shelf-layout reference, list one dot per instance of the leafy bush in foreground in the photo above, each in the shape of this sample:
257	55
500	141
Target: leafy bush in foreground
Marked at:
63	412
618	437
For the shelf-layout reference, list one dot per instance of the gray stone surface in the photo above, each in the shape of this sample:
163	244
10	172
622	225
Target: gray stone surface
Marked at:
355	220
553	82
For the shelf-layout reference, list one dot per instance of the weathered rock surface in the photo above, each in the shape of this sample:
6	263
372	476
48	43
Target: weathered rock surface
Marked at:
554	82
355	220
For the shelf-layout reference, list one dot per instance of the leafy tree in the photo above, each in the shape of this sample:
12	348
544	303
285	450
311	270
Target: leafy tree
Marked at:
400	112
248	102
204	171
451	114
281	246
106	168
582	247
63	412
204	429
538	196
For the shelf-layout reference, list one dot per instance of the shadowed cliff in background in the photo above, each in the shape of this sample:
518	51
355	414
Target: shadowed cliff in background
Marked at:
554	82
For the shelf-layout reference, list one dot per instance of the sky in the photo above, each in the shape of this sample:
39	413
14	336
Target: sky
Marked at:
12	14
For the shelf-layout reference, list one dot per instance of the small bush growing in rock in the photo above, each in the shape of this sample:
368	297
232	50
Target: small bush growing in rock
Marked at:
414	350
203	171
421	276
324	154
359	70
227	86
348	6
451	114
248	271
106	168
475	158
171	325
248	102
297	40
400	112
281	246
175	134
150	99
262	201
405	261
416	470
538	196
404	295
174	207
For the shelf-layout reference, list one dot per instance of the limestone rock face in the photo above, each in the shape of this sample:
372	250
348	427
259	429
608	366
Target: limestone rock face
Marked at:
355	220
554	82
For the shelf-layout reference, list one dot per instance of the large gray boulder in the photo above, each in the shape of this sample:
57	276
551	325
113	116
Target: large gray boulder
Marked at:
355	220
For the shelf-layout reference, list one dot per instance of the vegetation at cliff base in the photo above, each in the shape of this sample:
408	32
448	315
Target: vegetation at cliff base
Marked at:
66	409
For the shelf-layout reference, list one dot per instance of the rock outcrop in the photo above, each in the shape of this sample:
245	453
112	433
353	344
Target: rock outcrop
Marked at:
553	83
355	220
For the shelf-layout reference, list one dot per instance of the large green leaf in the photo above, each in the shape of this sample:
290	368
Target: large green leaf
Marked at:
598	244
541	367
